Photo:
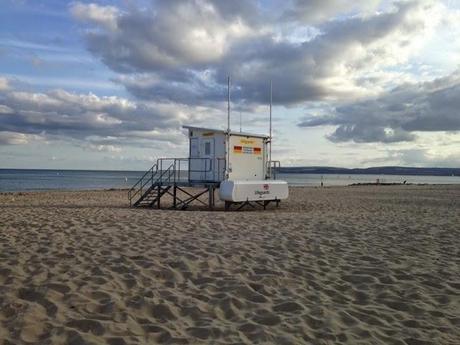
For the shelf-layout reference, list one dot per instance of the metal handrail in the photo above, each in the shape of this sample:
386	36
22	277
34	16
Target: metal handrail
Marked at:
178	163
138	190
140	180
167	171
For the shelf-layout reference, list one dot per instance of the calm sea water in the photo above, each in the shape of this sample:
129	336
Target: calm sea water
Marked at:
33	180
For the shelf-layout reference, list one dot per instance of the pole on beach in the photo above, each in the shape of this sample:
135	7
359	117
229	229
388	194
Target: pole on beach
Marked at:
270	149
227	165
228	104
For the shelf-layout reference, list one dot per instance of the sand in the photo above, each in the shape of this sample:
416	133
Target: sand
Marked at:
344	265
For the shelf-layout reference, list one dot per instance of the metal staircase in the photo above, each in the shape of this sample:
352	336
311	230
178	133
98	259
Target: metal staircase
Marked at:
151	186
173	173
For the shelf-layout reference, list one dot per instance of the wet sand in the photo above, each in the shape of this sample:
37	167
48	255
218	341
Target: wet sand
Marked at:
344	265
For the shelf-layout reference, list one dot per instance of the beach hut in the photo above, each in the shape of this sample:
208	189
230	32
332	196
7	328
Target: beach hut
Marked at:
217	155
237	164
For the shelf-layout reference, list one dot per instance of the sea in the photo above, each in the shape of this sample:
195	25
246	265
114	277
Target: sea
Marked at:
13	180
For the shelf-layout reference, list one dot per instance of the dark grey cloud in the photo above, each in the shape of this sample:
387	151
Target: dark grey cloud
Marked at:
396	115
182	51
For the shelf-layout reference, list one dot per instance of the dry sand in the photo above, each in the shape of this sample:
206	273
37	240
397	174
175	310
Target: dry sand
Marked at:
345	265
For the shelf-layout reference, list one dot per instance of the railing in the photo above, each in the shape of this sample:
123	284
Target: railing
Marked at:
273	168
169	172
146	179
195	169
178	170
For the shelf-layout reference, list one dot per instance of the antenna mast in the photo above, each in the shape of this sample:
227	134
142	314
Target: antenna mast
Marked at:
270	151
228	104
227	163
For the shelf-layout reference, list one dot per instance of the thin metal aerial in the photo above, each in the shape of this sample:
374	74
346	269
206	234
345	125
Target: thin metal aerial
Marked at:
270	151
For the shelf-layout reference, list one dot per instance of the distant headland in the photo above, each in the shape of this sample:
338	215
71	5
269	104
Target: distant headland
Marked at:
387	170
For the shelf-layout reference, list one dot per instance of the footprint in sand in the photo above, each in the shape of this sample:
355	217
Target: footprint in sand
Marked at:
61	288
32	295
162	313
116	341
87	326
266	318
199	332
288	307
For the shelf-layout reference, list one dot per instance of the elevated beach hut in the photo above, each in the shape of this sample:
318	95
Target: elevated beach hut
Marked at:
237	164
217	155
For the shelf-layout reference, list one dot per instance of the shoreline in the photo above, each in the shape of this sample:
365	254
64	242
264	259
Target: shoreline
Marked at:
291	186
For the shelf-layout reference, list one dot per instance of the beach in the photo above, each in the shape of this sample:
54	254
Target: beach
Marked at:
337	265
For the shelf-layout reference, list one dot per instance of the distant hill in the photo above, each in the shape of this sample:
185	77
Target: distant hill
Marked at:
373	171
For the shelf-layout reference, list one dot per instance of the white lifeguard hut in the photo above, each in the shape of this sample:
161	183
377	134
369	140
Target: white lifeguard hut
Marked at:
238	164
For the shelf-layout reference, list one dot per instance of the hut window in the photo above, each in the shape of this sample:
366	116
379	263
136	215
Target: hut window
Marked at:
207	148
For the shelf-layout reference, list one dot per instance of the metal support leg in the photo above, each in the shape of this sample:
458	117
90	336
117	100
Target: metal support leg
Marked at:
245	203
192	197
159	197
174	196
211	197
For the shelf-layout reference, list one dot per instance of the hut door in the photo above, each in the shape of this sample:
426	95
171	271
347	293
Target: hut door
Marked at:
208	162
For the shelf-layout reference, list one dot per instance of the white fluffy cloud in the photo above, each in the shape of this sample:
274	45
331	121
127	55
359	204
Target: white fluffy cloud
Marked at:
171	34
97	14
182	51
13	138
320	11
4	84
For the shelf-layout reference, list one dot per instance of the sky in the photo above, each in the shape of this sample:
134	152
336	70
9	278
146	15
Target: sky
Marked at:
109	84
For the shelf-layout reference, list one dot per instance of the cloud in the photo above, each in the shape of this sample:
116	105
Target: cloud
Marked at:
319	11
105	16
421	157
416	157
104	122
172	34
182	51
4	84
5	110
397	115
103	148
14	138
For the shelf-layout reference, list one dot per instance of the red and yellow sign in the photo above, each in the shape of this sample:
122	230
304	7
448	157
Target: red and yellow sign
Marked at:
247	150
